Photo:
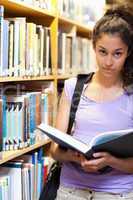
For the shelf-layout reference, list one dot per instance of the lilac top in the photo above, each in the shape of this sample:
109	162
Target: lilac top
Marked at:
93	118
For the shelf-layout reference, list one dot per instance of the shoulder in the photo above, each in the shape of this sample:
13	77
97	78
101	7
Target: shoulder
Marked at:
130	96
129	92
71	82
69	87
129	102
129	99
129	89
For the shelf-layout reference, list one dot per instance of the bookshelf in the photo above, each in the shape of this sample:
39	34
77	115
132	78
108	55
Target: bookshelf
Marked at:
9	155
21	75
52	19
18	8
24	79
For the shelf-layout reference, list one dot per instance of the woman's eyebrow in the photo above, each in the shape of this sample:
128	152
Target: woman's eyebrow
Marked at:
119	49
101	47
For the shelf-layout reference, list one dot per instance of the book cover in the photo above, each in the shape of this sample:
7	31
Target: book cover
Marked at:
118	143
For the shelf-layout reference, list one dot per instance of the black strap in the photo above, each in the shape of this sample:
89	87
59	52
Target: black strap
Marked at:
81	79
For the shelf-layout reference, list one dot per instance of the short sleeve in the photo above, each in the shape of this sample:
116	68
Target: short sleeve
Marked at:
69	87
130	105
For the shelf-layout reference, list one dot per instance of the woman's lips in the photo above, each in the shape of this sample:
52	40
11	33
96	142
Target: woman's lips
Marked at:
107	69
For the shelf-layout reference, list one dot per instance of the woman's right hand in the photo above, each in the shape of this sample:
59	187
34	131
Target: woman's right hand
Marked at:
73	156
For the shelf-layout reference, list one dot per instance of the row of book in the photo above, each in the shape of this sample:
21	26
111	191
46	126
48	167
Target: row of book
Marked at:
75	54
23	178
80	10
20	114
44	4
83	11
25	48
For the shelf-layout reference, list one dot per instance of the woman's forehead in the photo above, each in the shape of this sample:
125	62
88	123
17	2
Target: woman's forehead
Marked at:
111	41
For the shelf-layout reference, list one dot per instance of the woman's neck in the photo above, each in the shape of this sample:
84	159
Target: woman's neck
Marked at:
106	81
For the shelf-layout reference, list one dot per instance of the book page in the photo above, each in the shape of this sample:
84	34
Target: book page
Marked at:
108	136
61	137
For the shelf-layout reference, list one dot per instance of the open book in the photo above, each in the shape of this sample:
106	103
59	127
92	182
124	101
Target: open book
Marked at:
118	143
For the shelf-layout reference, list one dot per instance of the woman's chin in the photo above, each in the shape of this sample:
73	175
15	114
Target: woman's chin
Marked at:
107	73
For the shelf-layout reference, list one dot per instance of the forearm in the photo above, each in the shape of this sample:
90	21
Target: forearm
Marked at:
64	155
59	154
125	165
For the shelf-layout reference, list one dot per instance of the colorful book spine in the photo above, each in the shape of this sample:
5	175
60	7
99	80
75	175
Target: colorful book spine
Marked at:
5	47
1	37
4	127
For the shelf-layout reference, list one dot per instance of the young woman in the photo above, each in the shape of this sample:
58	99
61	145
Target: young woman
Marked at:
106	104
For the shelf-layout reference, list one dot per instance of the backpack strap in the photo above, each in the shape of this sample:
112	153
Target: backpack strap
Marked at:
81	79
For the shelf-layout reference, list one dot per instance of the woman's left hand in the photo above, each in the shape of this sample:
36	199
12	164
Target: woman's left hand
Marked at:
101	159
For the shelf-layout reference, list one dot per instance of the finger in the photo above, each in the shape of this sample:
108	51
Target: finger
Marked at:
90	168
100	154
90	163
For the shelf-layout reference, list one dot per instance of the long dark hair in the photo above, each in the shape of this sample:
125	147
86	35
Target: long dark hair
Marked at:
118	20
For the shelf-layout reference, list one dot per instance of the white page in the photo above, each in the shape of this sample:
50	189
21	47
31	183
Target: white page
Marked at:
65	137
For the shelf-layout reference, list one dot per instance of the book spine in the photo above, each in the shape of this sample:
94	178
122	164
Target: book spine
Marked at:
32	108
1	38
16	47
1	113
5	47
4	126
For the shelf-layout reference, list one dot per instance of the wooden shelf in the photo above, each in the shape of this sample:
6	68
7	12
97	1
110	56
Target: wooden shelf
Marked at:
9	155
84	29
23	9
23	79
63	77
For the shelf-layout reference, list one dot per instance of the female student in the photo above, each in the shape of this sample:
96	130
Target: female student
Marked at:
106	104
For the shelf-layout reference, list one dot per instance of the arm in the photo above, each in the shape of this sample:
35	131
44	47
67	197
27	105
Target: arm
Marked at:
103	159
62	124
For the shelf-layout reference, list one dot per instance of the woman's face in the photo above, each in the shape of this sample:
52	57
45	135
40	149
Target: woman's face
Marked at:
111	53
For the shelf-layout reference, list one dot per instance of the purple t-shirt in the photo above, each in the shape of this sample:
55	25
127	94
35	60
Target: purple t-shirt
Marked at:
93	118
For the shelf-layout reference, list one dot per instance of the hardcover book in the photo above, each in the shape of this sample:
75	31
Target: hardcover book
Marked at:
118	143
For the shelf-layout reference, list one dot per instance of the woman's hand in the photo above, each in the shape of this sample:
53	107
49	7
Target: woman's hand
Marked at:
101	160
73	156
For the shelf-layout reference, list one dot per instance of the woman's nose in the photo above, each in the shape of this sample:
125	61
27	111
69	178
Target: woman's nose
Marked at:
109	60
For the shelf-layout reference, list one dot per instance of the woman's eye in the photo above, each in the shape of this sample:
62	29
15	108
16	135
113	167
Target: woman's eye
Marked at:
117	54
102	52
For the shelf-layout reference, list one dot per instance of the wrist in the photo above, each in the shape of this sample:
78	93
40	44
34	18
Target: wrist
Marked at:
113	161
